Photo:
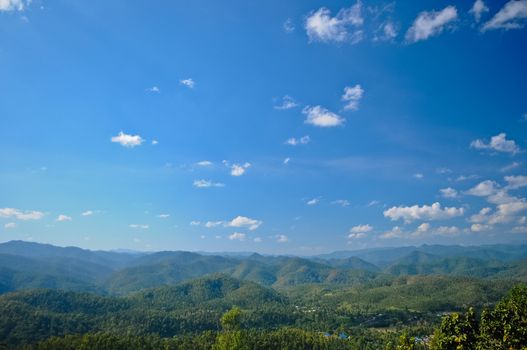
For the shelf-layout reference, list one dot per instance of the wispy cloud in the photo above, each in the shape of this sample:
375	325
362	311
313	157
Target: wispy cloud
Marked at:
478	9
140	226
190	83
13	5
21	214
429	24
206	184
341	202
237	236
511	16
10	225
153	89
304	140
287	103
288	26
313	201
282	238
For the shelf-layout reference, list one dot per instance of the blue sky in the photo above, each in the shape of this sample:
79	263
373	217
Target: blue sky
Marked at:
279	127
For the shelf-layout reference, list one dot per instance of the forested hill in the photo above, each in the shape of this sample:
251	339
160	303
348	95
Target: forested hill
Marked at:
25	265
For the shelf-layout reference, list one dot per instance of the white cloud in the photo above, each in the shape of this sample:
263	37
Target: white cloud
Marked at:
387	31
341	202
63	217
282	238
466	177
352	96
447	230
239	169
287	103
357	235
10	225
520	229
304	140
449	192
212	224
190	83
154	142
286	160
484	189
395	232
204	163
195	223
425	212
321	117
237	236
141	226
320	26
20	214
511	16
478	9
243	221
361	229
163	216
288	26
497	143
258	240
419	176
126	140
480	227
13	5
87	213
312	201
432	23
206	184
151	89
510	167
515	182
422	229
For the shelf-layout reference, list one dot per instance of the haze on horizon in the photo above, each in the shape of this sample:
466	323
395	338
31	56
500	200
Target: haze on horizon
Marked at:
298	127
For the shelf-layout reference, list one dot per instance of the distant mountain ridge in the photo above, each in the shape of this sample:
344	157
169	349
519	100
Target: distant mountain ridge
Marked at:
25	265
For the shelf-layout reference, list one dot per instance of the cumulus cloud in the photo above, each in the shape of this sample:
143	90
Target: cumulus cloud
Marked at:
206	184
304	140
20	214
321	117
357	235
484	189
511	16
395	232
287	103
448	192
237	236
282	238
10	225
239	169
352	96
13	5
498	143
243	221
480	227
321	26
478	9
422	230
126	140
431	23
447	230
190	83
63	217
141	226
425	212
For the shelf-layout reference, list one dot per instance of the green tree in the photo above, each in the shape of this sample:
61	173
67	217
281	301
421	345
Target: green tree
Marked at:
457	332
